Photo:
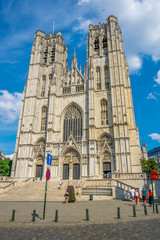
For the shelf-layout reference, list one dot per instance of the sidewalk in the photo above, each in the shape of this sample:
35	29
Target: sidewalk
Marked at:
74	213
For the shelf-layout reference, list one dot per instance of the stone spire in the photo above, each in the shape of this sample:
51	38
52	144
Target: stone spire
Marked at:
84	72
74	59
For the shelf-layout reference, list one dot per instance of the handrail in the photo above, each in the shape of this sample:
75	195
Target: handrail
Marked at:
121	183
28	179
9	185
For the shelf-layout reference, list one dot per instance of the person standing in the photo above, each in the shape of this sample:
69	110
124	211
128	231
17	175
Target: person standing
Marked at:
118	173
144	195
137	196
78	183
132	193
66	196
115	173
60	184
150	196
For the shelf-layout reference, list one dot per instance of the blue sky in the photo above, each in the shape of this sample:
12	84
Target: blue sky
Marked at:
140	24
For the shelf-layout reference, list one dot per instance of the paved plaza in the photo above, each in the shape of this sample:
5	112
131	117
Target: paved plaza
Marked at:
72	224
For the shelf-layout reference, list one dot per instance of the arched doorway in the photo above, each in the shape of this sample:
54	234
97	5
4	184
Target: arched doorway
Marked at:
39	167
71	165
106	169
106	165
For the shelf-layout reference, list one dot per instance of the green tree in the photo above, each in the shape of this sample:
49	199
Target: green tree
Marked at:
149	165
71	191
5	167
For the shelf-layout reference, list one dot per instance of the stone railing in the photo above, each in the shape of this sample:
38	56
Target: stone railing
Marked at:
122	185
129	176
5	186
97	183
6	178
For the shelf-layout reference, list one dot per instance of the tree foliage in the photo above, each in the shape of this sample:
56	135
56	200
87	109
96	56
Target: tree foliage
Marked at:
5	167
149	165
71	191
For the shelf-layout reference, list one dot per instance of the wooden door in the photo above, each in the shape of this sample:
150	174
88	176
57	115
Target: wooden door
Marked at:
66	171
39	171
76	171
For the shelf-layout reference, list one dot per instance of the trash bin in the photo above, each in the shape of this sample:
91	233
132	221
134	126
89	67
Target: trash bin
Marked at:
91	197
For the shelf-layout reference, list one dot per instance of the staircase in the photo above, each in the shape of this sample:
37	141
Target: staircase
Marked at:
34	191
108	188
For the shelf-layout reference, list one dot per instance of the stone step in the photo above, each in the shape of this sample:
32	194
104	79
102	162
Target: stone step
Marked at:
35	191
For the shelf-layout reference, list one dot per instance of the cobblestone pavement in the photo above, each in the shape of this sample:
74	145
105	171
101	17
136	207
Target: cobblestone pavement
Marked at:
137	230
72	224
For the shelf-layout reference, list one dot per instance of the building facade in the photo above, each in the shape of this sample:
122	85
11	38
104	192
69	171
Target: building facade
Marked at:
86	122
155	154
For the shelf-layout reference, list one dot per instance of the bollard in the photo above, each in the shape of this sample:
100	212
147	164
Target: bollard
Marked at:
145	210
118	212
56	216
34	216
87	214
13	215
134	211
157	211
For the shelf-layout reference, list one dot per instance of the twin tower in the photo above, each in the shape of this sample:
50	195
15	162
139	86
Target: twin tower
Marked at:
85	121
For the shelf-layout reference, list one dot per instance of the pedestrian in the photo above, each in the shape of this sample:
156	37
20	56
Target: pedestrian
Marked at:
60	184
150	196
137	196
118	173
66	196
78	183
144	195
132	193
115	173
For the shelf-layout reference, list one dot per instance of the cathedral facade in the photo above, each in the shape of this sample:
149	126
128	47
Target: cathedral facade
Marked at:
85	121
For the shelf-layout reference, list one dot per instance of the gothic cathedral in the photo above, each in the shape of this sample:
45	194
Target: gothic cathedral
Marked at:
85	121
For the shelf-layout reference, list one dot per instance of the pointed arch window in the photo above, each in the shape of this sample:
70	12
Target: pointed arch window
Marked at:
49	83
72	124
52	54
104	42
44	118
98	78
104	113
43	86
96	43
106	77
45	55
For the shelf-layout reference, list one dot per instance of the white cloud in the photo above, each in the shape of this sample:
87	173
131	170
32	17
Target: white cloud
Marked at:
134	62
139	21
10	156
151	96
158	77
140	24
10	104
83	25
82	2
155	136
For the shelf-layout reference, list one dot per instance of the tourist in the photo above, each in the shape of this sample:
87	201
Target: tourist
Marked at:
115	173
150	196
118	173
132	193
144	195
60	184
66	196
78	183
137	196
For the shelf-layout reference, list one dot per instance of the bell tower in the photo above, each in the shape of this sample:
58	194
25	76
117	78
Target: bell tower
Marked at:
110	100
